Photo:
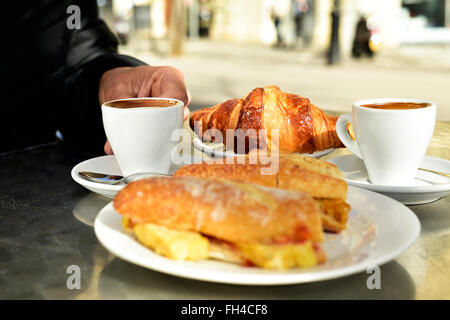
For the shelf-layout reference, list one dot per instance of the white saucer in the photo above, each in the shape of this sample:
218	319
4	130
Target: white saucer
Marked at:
108	165
427	186
218	150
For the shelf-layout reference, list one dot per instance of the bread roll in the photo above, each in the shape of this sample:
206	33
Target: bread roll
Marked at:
224	209
321	179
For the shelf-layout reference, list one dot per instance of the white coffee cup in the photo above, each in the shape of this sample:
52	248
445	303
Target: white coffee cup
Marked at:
140	135
391	142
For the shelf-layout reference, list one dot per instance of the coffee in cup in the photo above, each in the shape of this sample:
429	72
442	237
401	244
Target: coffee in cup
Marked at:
141	103
396	105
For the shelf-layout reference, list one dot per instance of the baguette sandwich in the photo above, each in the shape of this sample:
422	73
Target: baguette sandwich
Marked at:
319	178
186	218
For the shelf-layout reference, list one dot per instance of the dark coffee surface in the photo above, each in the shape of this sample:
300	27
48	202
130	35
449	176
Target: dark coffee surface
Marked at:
397	105
127	104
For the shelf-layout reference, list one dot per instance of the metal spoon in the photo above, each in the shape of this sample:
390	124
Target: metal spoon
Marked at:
114	179
436	172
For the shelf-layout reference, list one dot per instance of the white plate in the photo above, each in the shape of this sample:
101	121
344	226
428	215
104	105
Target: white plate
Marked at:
379	229
218	150
427	187
108	165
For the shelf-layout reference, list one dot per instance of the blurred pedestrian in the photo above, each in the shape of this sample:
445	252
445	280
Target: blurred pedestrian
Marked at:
299	9
205	18
279	9
361	40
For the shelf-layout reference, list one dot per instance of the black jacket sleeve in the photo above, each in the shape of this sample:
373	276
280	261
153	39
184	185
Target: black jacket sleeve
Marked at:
92	50
53	73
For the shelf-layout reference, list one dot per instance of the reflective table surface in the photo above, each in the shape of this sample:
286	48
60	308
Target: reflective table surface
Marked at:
46	229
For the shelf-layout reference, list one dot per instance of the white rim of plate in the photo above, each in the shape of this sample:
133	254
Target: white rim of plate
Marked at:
168	266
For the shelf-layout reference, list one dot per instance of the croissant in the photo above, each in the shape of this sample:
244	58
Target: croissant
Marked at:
302	127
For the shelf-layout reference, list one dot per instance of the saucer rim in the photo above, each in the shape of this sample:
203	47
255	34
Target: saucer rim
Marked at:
83	182
397	189
102	186
203	147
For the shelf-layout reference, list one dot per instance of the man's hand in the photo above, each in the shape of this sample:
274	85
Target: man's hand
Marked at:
143	81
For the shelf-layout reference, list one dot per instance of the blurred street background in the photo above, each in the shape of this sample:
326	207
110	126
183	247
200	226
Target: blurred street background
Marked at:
333	52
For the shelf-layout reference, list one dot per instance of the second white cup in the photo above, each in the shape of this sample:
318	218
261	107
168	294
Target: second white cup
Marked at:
391	142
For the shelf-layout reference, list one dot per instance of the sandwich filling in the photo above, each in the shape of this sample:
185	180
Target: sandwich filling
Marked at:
191	245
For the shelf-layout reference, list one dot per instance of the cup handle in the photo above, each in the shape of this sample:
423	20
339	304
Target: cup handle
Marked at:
341	130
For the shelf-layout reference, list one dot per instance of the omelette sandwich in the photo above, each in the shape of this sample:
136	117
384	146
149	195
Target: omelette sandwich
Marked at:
188	218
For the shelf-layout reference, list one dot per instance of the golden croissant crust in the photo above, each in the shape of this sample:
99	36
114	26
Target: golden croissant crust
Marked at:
302	127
